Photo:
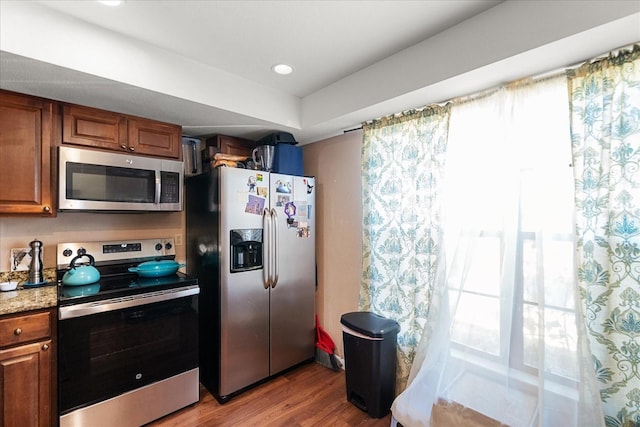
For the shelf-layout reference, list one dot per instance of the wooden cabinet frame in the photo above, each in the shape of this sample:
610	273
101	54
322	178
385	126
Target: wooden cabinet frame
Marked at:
26	146
28	373
118	132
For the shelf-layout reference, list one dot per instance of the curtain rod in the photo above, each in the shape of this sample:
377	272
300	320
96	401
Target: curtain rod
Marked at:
524	81
542	77
351	130
548	75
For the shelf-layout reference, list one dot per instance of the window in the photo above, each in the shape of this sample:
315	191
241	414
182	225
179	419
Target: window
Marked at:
514	258
510	274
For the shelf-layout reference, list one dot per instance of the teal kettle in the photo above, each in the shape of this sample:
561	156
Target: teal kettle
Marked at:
81	275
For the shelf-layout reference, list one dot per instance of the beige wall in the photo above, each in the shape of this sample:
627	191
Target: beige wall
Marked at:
17	232
335	163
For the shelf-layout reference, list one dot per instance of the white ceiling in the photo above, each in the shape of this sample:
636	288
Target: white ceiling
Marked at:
324	41
206	64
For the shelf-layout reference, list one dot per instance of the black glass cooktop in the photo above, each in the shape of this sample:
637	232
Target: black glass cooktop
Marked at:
121	286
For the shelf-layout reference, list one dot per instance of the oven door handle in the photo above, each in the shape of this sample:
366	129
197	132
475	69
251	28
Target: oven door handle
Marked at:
95	307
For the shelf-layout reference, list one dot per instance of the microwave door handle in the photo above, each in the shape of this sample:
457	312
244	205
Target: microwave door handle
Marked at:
158	188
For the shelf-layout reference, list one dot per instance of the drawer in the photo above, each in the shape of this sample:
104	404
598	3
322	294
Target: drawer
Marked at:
25	328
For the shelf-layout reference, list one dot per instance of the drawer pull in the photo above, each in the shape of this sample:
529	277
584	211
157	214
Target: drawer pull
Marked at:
17	332
45	347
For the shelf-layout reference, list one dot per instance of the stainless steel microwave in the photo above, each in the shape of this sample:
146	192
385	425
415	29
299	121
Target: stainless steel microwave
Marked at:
90	180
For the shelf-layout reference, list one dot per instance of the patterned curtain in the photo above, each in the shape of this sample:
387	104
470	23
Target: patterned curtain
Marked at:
402	163
605	128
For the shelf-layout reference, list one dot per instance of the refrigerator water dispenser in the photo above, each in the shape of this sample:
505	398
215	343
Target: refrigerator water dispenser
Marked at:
246	249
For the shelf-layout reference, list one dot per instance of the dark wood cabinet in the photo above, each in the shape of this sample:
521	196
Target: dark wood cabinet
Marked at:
27	369
26	141
154	138
93	128
31	128
232	145
118	132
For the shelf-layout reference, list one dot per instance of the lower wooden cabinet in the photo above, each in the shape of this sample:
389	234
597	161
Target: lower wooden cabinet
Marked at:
27	370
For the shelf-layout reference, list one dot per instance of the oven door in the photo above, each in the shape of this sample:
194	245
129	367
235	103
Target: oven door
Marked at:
105	354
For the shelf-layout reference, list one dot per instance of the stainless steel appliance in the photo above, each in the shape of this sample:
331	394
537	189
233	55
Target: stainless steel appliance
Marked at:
91	180
251	243
128	345
192	155
263	157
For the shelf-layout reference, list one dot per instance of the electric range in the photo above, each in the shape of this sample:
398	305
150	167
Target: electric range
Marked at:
128	345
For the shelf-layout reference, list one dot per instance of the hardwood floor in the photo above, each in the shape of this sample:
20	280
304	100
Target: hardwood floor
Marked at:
311	395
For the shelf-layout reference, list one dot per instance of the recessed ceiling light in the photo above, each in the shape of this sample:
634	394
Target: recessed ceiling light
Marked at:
111	2
283	69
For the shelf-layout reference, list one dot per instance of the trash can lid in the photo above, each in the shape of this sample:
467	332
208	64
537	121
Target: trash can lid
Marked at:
369	324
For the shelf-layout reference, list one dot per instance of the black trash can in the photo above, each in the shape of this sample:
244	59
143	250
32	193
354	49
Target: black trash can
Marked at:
370	361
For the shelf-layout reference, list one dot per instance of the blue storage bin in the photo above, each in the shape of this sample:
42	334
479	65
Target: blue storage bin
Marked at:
287	159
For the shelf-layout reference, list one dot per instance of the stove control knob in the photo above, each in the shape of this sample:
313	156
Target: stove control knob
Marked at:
158	246
67	252
168	246
82	251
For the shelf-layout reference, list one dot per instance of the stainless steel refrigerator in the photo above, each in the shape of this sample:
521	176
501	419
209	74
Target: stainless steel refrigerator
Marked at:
251	243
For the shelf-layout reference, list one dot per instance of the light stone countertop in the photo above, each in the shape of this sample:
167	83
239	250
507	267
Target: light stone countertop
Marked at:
25	298
28	299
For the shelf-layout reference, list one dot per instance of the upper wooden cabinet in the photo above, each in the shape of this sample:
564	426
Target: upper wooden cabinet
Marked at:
232	145
94	128
155	138
26	134
112	131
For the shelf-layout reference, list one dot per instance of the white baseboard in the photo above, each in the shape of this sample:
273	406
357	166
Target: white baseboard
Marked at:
341	360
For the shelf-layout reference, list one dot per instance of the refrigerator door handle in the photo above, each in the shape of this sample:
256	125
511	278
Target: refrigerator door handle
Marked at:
275	256
266	261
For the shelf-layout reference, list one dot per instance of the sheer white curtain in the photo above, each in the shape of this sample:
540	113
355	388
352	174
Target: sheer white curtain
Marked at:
505	336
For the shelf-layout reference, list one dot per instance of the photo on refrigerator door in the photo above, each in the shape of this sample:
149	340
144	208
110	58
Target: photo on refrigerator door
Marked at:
282	200
255	205
303	230
283	186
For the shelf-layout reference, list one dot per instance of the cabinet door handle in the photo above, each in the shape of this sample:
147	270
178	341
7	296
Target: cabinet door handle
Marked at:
17	332
124	147
46	209
132	149
45	347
